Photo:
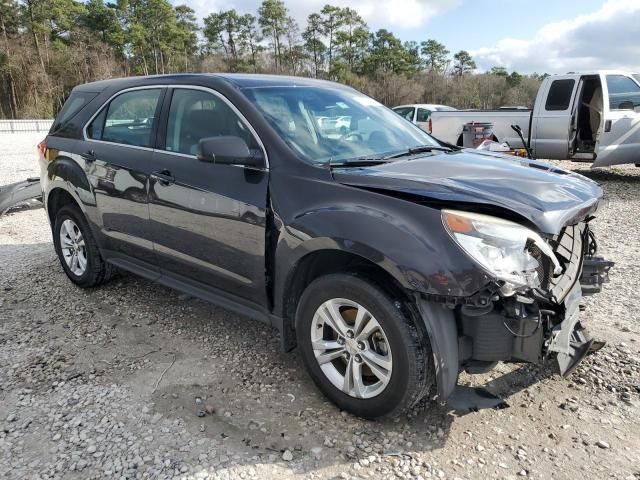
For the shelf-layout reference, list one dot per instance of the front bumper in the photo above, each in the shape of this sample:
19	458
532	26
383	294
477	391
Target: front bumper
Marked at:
527	328
531	328
21	193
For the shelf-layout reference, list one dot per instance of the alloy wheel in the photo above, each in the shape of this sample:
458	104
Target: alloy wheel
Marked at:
73	247
351	348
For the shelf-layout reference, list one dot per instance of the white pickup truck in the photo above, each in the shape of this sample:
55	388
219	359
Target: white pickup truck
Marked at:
593	117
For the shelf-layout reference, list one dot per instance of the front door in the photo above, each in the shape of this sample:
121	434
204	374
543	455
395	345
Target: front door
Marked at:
422	118
620	139
552	122
208	220
117	154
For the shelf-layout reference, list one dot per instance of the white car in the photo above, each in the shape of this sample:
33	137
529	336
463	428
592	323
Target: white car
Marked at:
335	125
419	113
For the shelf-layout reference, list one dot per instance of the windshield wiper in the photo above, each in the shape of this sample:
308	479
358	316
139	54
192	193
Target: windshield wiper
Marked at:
357	162
418	149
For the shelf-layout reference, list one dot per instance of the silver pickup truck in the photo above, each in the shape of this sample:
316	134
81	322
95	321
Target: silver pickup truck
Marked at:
591	117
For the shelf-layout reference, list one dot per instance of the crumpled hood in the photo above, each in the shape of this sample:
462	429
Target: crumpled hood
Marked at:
547	196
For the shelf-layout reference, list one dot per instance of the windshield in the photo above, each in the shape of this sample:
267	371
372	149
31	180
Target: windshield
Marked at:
324	124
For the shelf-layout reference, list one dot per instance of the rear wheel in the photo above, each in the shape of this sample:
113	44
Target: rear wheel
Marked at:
361	348
77	249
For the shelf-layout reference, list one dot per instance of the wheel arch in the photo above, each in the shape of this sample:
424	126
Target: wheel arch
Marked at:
57	198
325	261
67	183
66	169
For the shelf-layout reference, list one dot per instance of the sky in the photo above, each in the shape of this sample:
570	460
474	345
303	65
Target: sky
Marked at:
543	36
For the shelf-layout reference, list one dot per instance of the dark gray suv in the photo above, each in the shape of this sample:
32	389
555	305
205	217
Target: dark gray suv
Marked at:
392	260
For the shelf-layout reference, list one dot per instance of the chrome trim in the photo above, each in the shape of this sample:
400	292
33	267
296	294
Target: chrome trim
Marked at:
102	107
184	87
147	149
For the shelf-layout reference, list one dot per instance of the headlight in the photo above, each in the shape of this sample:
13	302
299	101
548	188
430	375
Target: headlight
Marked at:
500	246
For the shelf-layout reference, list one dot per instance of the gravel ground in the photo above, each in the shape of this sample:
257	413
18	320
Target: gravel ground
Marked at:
133	380
18	156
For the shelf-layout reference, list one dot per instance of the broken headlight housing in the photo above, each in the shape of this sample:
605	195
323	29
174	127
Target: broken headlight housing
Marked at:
501	247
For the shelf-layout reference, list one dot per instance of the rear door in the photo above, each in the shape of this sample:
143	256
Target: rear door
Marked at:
208	220
117	152
552	121
620	140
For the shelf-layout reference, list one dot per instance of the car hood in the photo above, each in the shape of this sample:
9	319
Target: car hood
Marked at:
547	196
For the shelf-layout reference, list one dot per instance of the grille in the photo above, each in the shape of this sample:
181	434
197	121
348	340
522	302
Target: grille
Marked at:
544	266
568	247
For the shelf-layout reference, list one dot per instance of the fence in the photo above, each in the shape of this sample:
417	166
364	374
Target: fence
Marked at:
18	126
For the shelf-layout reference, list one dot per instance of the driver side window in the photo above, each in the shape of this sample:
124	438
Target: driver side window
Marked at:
624	93
197	114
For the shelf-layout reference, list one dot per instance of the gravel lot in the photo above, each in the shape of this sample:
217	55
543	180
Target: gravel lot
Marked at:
133	380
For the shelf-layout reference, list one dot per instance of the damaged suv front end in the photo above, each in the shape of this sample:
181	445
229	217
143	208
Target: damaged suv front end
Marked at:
532	310
527	255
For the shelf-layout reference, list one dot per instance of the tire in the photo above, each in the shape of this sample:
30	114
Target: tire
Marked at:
96	270
399	342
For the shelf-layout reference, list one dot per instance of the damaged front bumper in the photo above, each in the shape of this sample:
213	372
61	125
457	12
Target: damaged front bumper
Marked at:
532	327
26	193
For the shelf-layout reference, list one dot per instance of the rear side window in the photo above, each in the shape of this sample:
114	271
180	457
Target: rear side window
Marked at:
128	119
406	112
75	103
423	115
559	97
624	93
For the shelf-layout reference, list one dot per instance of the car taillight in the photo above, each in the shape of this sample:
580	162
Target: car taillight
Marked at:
430	127
42	147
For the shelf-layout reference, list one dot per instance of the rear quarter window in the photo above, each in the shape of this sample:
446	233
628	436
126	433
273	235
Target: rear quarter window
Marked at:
76	102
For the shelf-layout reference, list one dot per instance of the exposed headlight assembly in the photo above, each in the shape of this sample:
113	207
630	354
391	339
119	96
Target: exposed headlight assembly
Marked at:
501	247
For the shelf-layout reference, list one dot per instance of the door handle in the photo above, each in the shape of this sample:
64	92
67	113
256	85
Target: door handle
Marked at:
89	156
607	126
164	177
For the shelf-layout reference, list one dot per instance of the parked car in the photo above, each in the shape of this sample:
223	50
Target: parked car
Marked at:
334	125
420	113
591	117
392	261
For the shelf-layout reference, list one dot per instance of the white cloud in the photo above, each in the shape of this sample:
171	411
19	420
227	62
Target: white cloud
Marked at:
377	13
606	39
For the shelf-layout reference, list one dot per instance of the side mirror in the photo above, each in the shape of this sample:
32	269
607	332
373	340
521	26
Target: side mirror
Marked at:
228	150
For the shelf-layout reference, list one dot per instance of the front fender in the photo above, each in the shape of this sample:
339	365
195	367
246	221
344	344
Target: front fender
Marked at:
406	240
356	248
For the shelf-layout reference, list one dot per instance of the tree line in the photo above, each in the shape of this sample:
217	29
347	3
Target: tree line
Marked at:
49	46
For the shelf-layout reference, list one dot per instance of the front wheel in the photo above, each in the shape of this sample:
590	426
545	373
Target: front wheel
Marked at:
361	348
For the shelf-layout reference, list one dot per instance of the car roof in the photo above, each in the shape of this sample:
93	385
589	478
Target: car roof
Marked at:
423	105
240	80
